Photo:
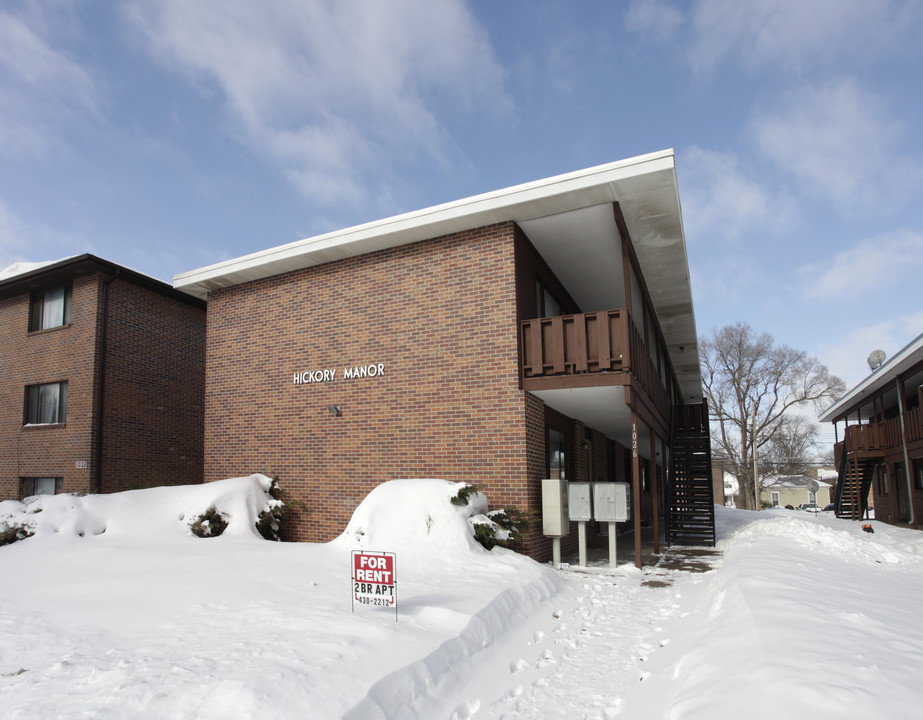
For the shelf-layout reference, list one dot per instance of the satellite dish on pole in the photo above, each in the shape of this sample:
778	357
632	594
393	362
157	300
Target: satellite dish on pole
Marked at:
813	486
876	359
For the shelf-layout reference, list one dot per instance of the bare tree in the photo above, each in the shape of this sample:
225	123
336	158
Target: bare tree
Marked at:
745	375
791	450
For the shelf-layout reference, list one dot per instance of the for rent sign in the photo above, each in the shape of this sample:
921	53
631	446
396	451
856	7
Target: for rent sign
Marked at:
374	578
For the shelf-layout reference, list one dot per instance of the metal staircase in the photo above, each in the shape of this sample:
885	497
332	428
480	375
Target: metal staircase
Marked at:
854	481
690	511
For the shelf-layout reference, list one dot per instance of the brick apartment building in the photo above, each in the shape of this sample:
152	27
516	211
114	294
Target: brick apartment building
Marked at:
101	380
544	330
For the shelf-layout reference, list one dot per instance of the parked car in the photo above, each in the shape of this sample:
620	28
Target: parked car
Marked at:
809	507
829	508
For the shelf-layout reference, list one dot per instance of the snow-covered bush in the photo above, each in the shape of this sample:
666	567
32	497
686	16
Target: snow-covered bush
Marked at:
501	527
269	524
211	523
14	533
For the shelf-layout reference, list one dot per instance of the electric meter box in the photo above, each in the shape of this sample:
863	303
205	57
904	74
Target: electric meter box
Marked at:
579	501
610	500
555	520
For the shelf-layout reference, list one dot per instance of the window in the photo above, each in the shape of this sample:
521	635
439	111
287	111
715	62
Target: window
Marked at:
557	454
812	497
51	308
918	475
775	499
545	303
46	404
29	486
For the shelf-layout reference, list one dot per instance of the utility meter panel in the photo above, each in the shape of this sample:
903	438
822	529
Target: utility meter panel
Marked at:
555	521
578	498
610	501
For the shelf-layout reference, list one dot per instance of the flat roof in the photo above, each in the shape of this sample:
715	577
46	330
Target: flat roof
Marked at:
886	375
645	188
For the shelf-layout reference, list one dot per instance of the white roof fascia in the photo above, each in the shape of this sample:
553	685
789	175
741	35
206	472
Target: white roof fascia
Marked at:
885	375
520	202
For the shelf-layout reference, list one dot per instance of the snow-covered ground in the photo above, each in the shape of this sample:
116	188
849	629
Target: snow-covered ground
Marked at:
113	609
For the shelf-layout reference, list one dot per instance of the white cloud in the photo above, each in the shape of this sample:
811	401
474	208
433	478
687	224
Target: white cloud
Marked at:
11	240
334	93
794	35
722	200
881	261
847	356
840	141
40	85
20	240
719	282
654	18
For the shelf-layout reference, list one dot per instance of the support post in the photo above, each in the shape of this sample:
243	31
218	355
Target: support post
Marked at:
613	546
908	468
581	542
636	486
556	553
655	493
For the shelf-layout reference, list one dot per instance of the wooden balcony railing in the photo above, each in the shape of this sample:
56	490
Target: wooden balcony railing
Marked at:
886	435
600	342
573	344
691	418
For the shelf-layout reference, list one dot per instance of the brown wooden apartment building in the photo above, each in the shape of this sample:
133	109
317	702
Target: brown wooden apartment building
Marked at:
543	330
101	380
881	450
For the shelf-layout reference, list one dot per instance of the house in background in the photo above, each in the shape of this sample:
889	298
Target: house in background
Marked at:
880	422
794	490
101	379
540	331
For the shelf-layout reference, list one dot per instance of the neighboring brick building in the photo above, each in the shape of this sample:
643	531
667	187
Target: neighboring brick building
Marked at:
532	332
101	380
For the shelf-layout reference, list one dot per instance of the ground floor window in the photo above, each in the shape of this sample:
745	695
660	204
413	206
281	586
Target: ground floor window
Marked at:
918	474
559	456
775	499
29	486
812	497
46	404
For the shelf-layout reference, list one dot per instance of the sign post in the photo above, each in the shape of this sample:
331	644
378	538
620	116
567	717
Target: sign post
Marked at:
374	578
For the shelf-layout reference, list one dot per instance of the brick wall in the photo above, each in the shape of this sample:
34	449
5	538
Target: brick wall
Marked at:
64	353
153	412
439	315
154	392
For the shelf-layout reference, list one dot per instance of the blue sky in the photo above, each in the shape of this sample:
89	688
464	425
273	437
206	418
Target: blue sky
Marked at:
170	135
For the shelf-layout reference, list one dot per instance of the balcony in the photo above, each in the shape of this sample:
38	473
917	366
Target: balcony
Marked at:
878	438
587	350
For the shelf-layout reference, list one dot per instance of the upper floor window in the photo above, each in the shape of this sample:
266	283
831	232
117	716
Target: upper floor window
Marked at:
46	404
51	308
546	304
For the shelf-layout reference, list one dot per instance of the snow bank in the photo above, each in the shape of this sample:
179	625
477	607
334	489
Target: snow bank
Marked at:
415	517
809	615
145	620
157	513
